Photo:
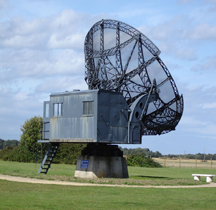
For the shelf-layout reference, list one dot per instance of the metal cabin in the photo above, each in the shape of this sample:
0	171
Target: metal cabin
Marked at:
98	116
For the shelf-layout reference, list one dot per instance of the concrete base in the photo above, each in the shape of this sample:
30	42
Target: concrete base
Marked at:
99	166
101	160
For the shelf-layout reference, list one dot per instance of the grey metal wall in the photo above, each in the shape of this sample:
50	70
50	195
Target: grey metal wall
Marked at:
112	118
106	122
72	126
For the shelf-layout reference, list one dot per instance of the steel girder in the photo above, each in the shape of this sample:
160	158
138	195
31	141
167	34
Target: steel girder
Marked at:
110	68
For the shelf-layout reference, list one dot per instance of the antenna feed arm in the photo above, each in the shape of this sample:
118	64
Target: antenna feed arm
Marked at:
153	91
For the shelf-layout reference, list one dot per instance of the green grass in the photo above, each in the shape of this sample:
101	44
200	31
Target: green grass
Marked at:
138	175
24	196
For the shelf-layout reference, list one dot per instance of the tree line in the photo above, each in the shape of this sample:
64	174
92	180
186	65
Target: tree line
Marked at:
139	151
149	153
199	156
28	150
6	143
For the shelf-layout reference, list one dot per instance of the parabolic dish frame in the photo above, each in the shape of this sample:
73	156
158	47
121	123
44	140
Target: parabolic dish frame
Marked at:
120	58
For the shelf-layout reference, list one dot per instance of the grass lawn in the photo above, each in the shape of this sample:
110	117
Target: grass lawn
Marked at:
138	175
25	196
14	195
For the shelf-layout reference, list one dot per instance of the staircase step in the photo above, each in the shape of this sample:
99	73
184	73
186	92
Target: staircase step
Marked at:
48	158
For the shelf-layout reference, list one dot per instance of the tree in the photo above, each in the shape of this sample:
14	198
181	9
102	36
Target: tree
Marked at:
1	143
69	152
9	142
31	134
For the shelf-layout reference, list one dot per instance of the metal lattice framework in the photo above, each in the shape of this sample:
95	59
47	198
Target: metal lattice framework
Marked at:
120	58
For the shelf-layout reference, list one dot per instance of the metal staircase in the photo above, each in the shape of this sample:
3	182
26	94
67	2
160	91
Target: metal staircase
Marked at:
48	158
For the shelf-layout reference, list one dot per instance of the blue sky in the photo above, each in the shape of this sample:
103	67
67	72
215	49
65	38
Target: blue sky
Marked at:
42	51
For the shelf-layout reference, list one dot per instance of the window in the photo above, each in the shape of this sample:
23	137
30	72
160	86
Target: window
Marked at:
47	110
87	107
57	109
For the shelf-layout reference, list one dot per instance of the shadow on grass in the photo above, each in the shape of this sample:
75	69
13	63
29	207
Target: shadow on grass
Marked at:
149	177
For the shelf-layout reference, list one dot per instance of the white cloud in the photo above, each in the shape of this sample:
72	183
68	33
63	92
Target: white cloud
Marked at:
209	105
184	1
40	64
168	36
62	84
186	54
201	31
183	35
199	109
3	4
16	107
211	1
198	127
209	65
71	41
65	30
33	64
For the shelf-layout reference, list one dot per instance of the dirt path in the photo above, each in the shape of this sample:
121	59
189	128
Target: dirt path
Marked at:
41	181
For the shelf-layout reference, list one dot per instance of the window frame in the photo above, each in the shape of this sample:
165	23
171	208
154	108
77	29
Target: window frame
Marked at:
88	111
46	109
57	109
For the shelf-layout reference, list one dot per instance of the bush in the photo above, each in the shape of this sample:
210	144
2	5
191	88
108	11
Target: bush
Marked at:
19	154
69	152
31	134
142	161
4	153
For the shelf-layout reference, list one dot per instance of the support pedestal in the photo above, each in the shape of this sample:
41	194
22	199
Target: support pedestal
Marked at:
101	160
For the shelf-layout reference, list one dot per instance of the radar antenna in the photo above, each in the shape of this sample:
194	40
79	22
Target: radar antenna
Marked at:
120	58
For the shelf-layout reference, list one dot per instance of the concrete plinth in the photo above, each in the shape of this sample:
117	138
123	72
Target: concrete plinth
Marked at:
99	161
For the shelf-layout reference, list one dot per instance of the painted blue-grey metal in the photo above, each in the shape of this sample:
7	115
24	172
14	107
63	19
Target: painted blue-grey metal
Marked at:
86	116
95	116
48	158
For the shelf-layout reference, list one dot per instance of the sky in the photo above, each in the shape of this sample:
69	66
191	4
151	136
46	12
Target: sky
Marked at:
42	52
